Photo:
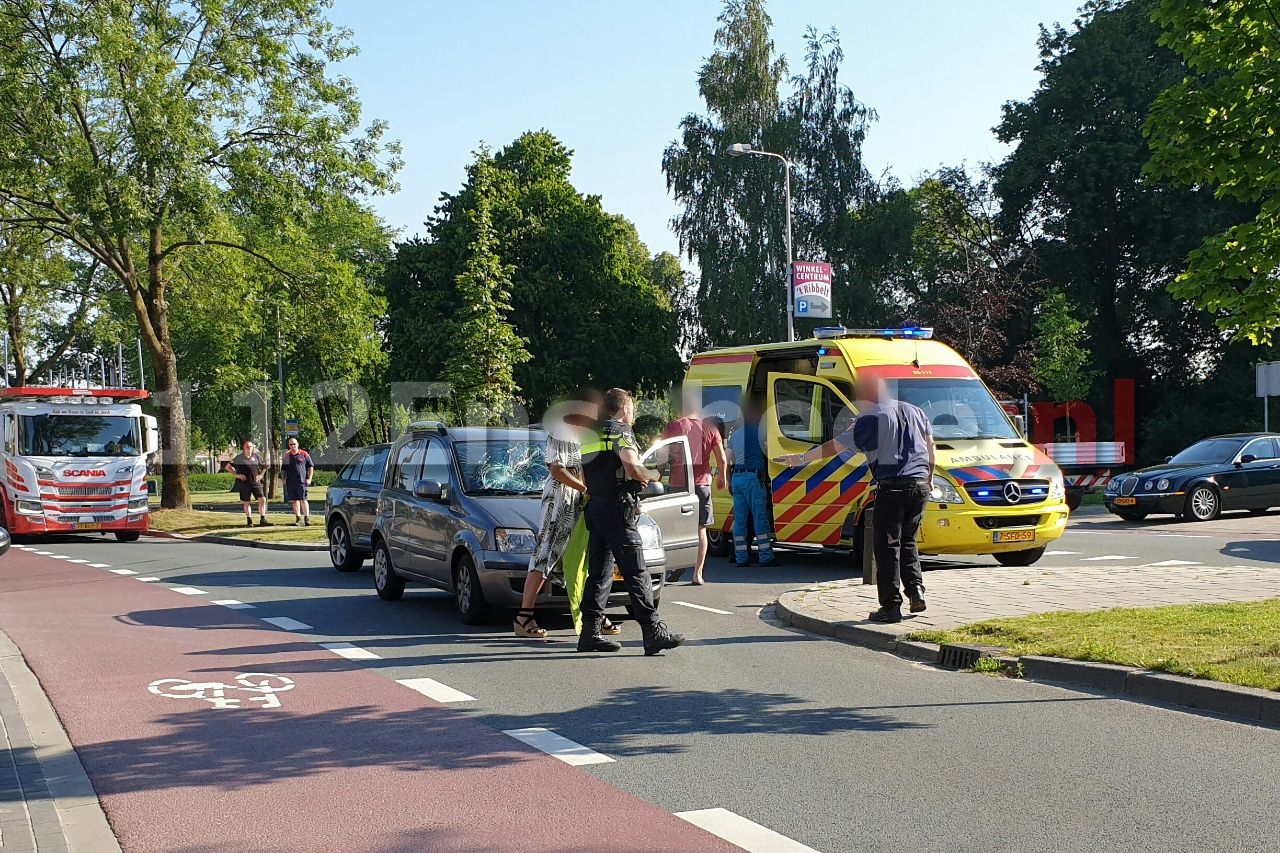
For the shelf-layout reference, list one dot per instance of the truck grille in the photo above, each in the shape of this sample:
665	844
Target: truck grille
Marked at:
73	519
1000	493
85	491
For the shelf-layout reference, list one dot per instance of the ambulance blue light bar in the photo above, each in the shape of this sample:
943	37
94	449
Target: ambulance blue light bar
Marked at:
910	332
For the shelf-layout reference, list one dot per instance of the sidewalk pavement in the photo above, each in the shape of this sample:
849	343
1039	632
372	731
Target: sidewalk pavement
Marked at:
47	804
962	595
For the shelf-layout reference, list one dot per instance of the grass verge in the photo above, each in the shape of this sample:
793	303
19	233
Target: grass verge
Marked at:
1238	643
201	522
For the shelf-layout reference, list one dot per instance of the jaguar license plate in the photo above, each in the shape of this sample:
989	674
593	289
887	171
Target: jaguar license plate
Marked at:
1013	536
89	525
1126	501
617	574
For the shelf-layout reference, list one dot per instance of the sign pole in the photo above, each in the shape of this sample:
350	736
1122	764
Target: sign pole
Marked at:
791	263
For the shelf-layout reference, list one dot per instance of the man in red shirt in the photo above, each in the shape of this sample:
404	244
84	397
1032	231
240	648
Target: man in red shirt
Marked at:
705	443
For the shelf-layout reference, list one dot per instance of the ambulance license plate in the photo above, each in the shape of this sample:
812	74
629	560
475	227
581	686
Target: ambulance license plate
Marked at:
1126	501
92	525
1013	536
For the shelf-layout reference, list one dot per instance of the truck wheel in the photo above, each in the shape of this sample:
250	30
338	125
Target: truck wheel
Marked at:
719	543
127	535
1020	558
1074	499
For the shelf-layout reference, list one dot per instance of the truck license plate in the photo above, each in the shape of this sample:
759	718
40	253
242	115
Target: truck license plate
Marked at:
91	525
1126	501
1013	536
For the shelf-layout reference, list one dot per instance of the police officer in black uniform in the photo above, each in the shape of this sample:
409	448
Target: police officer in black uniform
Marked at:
615	480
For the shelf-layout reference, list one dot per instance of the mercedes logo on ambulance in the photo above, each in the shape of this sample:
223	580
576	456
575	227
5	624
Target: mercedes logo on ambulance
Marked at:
1012	492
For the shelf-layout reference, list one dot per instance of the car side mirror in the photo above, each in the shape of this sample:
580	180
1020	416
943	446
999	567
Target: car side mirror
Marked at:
4	541
653	488
431	490
1246	459
1168	459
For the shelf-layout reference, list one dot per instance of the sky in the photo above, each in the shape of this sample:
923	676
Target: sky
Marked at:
613	80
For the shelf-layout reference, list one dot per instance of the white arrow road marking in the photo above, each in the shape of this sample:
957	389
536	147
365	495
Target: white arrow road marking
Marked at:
349	651
558	747
747	834
701	607
286	623
433	689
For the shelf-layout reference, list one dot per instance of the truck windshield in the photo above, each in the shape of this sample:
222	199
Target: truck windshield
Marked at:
957	408
78	435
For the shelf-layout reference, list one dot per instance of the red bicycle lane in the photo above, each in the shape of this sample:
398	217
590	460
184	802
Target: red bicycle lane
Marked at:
348	761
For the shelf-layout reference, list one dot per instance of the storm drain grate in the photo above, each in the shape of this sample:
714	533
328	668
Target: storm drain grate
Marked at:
965	657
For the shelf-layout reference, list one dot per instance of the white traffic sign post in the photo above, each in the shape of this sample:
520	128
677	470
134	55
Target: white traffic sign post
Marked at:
1268	377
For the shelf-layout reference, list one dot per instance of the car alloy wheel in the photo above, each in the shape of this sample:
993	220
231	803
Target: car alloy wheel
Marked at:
1204	504
338	544
389	585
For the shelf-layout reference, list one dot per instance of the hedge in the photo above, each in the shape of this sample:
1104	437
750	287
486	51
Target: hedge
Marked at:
204	482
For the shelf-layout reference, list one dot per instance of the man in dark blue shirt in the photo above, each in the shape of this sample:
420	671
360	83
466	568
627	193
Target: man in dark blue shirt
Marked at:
898	442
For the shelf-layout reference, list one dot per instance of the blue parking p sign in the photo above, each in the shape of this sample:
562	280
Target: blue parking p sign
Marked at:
802	306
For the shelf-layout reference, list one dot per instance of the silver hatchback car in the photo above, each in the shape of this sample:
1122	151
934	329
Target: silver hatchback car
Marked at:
459	510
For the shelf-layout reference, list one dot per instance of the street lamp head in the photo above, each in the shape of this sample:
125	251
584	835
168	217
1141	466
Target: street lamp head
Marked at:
738	149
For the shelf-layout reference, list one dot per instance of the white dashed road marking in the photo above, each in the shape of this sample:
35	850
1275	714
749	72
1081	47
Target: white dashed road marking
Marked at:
433	689
80	562
1184	535
558	747
1176	563
349	651
702	607
45	553
147	580
123	572
234	605
1061	554
1105	557
286	623
188	590
747	834
99	565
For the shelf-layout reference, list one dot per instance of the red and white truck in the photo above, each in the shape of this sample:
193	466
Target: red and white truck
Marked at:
75	459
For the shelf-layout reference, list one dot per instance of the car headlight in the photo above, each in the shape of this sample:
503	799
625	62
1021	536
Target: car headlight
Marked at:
944	493
1057	488
1163	485
29	507
1113	485
44	473
515	540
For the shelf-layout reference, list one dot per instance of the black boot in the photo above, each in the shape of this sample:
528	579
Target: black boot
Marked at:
657	638
590	640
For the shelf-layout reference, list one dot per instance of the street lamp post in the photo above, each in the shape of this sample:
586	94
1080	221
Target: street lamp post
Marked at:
743	149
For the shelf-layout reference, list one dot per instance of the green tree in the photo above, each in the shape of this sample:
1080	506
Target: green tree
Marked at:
140	132
733	221
484	347
583	296
1062	360
1108	238
1217	128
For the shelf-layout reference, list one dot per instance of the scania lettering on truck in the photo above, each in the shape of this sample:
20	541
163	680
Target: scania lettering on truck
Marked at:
75	459
994	492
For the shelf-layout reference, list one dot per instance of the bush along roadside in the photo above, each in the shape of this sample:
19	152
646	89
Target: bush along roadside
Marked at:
221	482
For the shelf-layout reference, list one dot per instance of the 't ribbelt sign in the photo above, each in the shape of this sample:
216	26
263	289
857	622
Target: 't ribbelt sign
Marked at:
812	282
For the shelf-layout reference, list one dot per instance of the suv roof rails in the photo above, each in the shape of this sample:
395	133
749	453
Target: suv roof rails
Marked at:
438	427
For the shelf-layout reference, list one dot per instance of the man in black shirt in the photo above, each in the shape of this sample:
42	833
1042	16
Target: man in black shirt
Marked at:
615	479
248	466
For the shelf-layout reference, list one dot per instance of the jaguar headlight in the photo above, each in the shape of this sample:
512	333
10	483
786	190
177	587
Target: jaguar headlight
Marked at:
944	493
1163	485
1113	485
514	540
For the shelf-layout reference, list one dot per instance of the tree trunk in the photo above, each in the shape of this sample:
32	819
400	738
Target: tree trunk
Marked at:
152	308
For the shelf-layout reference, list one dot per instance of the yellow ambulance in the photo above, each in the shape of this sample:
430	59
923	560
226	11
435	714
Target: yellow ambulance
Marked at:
994	492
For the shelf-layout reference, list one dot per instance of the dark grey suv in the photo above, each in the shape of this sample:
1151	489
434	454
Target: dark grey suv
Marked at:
350	507
459	511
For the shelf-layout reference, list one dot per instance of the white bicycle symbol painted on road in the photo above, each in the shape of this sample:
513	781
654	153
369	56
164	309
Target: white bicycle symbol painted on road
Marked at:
264	684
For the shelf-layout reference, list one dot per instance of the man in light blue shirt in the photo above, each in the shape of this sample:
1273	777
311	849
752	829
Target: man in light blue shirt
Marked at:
750	497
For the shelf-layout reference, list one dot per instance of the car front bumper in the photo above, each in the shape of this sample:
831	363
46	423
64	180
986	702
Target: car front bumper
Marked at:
1167	504
502	578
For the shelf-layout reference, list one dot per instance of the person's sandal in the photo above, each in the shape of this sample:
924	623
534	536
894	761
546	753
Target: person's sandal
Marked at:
524	619
608	628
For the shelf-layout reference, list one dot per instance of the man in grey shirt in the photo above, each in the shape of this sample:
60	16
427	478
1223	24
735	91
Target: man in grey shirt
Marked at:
898	442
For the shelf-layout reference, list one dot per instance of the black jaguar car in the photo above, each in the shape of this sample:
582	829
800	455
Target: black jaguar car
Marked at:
1222	473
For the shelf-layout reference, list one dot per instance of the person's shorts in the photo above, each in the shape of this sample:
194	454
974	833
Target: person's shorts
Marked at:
249	491
706	513
295	492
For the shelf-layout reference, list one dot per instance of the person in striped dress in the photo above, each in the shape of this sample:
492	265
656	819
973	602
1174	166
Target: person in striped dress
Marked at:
561	506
